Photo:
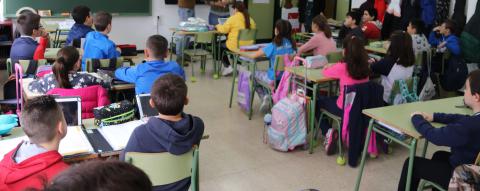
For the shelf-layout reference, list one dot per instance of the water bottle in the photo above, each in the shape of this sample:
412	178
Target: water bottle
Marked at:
267	121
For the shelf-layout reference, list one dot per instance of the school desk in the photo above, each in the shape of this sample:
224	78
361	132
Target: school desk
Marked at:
398	118
51	53
314	78
377	47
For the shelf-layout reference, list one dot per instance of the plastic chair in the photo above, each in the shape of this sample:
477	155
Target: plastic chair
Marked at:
165	168
104	63
60	37
334	57
202	39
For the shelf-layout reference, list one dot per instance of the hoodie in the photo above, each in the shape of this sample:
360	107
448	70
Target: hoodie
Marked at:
159	135
97	45
78	31
23	48
31	172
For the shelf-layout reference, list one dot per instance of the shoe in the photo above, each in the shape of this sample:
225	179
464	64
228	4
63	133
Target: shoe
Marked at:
265	106
330	141
227	71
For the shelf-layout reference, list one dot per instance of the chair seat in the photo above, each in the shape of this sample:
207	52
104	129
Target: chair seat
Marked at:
198	52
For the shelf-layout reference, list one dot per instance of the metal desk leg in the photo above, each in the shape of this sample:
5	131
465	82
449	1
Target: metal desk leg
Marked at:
425	147
171	46
364	155
413	149
252	89
311	115
234	75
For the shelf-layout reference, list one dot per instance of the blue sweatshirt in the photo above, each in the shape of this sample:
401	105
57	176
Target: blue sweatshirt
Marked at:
23	48
97	45
453	43
144	74
159	135
461	134
77	31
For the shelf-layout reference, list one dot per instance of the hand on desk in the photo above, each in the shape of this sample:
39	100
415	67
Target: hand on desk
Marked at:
426	116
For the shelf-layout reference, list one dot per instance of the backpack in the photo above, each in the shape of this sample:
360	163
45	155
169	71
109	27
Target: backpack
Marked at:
465	178
455	74
428	90
243	94
285	82
288	127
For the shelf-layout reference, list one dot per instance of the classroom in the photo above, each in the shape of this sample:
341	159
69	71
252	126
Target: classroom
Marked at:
257	95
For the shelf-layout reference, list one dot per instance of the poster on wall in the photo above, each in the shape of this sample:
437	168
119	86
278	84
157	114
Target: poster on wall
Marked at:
292	16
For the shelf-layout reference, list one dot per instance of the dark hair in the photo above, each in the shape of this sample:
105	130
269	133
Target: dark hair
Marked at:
372	12
67	57
169	93
80	14
27	22
284	31
158	45
109	175
474	80
102	20
401	49
322	24
356	15
451	25
40	116
419	25
356	57
242	9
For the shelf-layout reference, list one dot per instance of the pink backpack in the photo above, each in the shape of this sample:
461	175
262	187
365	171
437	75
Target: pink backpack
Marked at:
282	89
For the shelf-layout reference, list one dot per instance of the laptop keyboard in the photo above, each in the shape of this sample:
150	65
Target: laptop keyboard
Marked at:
99	143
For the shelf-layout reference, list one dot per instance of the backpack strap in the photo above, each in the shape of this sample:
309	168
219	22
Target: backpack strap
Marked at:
407	95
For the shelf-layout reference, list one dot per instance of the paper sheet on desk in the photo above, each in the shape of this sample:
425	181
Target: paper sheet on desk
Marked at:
75	142
118	135
390	127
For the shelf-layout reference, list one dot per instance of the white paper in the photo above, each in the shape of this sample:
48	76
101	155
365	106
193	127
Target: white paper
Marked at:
390	127
118	135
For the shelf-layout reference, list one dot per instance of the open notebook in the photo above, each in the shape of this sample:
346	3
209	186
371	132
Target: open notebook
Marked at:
117	135
75	142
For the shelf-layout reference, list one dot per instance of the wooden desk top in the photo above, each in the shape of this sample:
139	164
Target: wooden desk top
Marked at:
51	53
313	75
398	116
181	32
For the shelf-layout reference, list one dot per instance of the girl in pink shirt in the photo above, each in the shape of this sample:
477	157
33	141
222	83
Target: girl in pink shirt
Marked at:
352	70
322	42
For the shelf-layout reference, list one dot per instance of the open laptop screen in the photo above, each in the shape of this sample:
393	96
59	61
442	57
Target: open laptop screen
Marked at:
72	110
144	108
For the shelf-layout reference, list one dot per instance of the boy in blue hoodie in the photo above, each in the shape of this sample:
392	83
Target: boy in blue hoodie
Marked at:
443	36
143	75
461	134
172	130
83	24
97	45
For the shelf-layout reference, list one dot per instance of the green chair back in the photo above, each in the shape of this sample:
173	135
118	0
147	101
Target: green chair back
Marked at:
104	63
165	168
247	35
204	38
9	66
334	57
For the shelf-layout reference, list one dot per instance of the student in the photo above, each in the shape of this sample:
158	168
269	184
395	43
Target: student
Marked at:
282	44
397	64
352	23
322	42
65	74
460	133
218	9
419	41
370	25
443	37
143	75
97	45
186	9
238	21
352	70
172	130
37	160
83	24
109	175
25	47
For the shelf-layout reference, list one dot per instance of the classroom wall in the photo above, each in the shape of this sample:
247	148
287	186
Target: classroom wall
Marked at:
469	10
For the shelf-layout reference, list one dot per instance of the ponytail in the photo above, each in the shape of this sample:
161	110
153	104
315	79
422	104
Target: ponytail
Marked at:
356	57
67	57
322	24
242	9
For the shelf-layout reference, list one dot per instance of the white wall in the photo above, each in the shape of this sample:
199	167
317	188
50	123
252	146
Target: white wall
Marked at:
470	7
136	30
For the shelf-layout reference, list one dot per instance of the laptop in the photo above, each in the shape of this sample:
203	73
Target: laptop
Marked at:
72	110
143	103
222	20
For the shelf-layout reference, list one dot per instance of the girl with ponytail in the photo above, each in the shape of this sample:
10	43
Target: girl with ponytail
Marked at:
238	21
65	74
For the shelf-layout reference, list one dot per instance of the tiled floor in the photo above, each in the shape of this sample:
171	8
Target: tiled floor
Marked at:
235	157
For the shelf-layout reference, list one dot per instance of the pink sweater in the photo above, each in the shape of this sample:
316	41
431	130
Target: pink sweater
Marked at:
320	44
339	71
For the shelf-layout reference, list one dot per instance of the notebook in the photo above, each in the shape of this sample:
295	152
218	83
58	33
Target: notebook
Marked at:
144	108
117	135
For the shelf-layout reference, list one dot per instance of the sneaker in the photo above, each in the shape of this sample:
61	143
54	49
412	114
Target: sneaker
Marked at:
330	141
265	106
227	71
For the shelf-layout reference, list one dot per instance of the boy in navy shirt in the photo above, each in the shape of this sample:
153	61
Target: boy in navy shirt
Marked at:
97	45
144	74
83	24
172	130
461	134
